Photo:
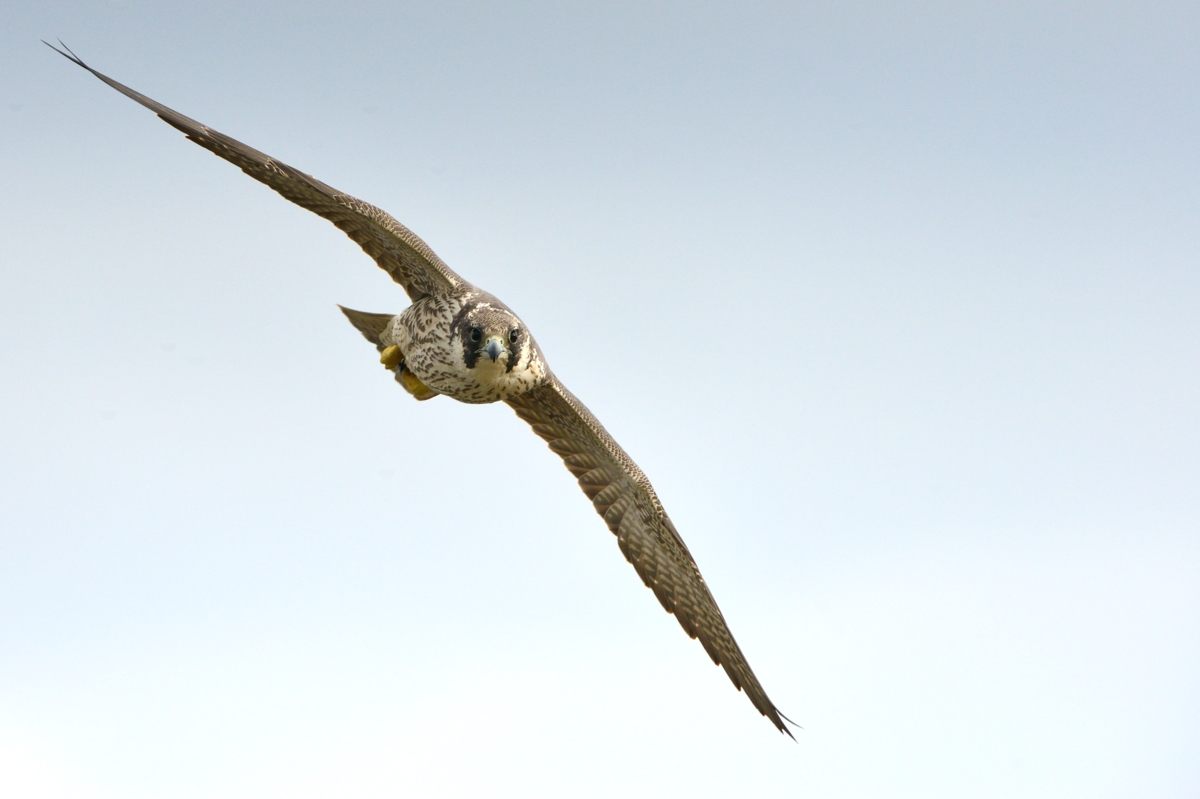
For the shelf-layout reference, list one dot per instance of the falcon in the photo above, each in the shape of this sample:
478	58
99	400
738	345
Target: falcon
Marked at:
458	341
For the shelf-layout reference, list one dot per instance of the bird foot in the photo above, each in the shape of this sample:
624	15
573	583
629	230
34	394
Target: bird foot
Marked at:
391	357
413	385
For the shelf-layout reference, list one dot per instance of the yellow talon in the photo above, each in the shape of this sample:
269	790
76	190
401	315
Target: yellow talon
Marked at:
391	357
413	385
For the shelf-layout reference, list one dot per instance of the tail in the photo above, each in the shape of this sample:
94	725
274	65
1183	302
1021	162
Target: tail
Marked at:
371	325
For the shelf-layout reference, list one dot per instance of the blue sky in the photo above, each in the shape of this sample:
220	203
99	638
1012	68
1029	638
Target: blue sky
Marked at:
898	308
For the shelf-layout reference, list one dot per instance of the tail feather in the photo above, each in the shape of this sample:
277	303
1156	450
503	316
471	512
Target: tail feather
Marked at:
371	325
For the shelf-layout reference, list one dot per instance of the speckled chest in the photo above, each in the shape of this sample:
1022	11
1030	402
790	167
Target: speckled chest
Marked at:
427	334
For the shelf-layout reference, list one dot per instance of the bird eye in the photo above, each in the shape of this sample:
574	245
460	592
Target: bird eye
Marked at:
513	335
476	335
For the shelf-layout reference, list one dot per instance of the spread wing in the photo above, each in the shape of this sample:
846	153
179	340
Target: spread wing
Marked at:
396	249
625	499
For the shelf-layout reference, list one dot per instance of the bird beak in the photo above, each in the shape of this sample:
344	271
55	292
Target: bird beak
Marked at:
494	348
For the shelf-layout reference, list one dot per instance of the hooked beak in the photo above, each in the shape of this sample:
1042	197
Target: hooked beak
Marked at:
494	347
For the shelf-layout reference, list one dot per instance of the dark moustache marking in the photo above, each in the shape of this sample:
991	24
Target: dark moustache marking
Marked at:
462	314
514	353
470	354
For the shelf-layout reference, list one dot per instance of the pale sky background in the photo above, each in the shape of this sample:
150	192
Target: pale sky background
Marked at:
899	309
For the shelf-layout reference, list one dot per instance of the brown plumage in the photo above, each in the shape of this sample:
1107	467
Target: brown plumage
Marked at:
490	357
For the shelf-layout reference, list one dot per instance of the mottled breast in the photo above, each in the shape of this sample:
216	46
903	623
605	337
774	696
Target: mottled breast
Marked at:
470	347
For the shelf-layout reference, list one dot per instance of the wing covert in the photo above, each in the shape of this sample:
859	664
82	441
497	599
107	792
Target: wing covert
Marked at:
626	501
397	250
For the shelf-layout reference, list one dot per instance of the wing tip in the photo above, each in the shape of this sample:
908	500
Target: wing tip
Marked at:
67	53
782	722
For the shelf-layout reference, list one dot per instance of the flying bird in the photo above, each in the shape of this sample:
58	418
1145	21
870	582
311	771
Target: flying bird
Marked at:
459	341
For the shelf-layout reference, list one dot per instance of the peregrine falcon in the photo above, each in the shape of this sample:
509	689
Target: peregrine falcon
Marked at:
459	341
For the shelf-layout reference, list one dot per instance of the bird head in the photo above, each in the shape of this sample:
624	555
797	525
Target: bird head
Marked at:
493	338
